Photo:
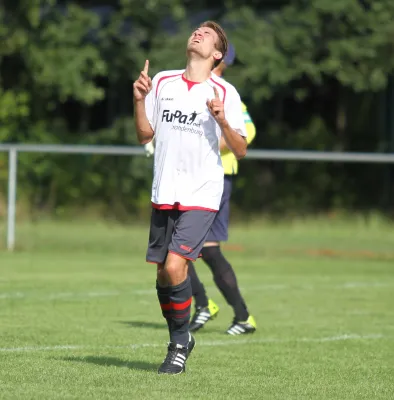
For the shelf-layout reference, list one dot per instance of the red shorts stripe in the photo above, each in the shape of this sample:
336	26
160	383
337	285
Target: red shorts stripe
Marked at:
180	207
181	255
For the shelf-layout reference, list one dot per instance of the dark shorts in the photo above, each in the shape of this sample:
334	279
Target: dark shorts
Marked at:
179	232
219	227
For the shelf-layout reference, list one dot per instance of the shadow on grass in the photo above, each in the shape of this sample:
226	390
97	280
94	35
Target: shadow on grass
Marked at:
155	325
114	362
144	324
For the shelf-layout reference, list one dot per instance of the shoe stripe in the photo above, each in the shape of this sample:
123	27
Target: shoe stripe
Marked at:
178	363
202	321
204	314
181	356
236	330
203	318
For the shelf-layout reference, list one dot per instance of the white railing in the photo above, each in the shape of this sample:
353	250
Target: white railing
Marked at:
286	155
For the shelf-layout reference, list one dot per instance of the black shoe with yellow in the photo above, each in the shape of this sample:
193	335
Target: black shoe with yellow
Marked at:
242	327
203	315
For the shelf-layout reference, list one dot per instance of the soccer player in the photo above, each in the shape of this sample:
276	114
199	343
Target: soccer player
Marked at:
222	271
186	112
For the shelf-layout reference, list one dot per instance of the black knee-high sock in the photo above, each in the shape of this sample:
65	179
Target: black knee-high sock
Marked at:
226	281
179	307
198	289
163	294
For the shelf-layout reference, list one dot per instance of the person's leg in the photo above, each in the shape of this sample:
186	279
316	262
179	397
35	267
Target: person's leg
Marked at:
222	271
199	293
173	290
191	229
189	233
198	289
172	284
176	310
161	226
205	308
180	297
225	279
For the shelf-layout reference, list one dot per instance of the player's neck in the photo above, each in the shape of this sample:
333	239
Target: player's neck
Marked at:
198	70
217	72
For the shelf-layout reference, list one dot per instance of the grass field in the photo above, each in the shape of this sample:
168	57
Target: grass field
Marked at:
80	319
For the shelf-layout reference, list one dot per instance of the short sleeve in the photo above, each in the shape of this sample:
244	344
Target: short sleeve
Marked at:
234	113
250	127
151	104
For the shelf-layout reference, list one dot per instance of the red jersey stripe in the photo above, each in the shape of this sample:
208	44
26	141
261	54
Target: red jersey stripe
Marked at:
162	78
222	87
180	207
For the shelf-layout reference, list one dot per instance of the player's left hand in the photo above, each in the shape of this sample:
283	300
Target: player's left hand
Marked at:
216	107
149	148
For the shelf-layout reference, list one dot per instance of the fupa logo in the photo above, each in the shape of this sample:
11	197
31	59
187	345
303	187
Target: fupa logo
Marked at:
178	116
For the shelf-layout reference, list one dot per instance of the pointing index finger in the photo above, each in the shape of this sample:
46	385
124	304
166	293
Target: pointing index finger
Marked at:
146	67
216	92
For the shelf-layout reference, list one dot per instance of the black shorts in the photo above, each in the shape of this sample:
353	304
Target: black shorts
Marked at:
179	232
219	227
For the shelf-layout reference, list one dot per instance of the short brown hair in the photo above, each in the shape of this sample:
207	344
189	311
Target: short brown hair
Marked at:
222	44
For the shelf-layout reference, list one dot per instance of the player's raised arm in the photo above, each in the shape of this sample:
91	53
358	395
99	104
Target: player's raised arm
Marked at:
235	142
141	89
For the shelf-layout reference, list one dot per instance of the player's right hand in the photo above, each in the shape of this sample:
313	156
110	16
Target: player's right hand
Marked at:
143	85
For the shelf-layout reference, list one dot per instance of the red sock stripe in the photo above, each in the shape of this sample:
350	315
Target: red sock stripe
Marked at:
181	315
182	306
176	306
166	307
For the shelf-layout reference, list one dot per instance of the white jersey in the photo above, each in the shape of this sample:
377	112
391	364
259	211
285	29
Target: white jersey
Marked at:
188	172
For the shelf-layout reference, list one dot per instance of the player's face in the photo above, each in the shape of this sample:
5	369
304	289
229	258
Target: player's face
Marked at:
203	41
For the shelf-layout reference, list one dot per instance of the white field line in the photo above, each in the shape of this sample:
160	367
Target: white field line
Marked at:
143	292
60	295
14	295
203	343
76	295
273	287
322	286
355	285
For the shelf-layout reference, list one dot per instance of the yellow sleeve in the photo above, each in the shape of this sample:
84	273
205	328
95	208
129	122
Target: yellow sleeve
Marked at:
250	128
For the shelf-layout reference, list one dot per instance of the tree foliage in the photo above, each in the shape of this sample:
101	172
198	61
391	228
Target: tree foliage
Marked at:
315	74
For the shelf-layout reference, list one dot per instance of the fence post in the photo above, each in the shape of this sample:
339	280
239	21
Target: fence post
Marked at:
12	173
